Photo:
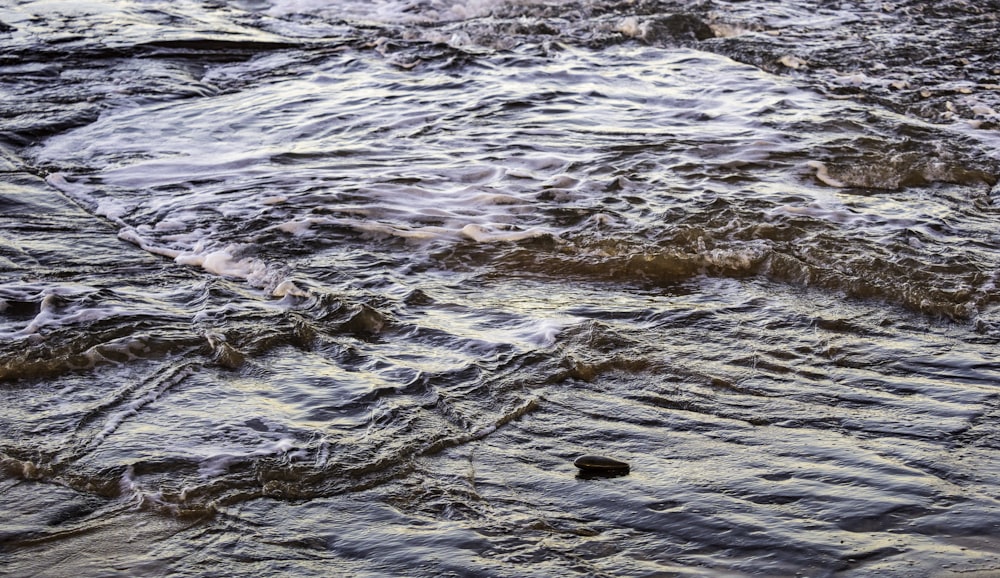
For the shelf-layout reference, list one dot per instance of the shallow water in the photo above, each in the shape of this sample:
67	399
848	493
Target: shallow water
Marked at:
297	289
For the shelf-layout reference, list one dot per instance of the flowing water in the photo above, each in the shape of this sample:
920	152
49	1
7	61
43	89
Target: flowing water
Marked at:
310	288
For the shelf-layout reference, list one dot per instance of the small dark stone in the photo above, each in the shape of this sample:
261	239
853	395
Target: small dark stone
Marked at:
591	465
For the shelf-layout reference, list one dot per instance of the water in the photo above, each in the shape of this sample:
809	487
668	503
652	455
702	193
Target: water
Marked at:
293	288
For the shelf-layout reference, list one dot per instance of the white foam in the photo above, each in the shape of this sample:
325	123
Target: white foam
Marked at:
981	109
222	262
793	62
544	332
630	27
132	236
823	174
297	227
853	79
286	288
532	333
170	225
283	445
489	234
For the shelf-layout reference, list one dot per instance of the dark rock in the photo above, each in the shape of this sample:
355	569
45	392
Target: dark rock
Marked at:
601	466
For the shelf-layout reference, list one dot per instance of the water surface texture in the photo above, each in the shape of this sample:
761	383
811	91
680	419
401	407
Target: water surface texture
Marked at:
310	288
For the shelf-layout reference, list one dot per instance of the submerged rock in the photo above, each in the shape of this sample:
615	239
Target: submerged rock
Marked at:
676	28
366	320
591	465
